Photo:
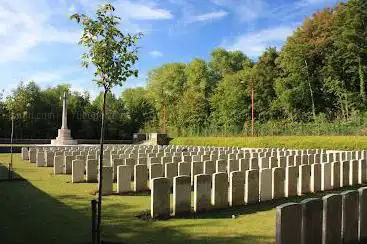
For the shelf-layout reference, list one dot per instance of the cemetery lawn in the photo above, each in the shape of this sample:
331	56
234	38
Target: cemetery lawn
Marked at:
14	145
293	142
43	208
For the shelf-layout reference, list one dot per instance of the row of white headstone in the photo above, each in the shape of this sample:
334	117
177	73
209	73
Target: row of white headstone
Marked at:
243	178
334	219
253	186
188	166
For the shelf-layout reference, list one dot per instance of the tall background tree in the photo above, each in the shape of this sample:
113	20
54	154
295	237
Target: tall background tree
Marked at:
113	55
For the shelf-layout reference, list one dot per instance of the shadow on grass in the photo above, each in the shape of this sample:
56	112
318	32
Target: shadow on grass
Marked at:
30	215
4	174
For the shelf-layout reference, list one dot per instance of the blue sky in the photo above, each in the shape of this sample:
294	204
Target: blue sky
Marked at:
38	42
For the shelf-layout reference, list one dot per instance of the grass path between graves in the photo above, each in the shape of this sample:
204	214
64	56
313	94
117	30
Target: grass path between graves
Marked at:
44	208
294	142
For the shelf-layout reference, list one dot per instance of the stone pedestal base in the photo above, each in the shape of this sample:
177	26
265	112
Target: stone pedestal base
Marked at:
64	138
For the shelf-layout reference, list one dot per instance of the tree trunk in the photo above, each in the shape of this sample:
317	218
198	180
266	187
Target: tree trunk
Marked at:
362	81
311	93
164	117
99	208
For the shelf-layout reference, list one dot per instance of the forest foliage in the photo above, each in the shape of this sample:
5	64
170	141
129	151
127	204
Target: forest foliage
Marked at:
317	78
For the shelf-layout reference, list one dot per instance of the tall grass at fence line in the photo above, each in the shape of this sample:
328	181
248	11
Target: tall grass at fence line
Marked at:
356	126
294	142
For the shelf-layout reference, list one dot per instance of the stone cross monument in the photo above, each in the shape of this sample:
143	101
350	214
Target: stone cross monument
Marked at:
64	134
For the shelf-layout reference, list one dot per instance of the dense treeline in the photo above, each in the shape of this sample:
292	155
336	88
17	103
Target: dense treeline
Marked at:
317	78
37	113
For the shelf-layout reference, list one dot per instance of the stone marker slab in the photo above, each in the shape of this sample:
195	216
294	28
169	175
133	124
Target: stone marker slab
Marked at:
140	177
115	163
353	172
335	175
184	168
344	173
77	171
202	193
304	179
362	231
25	153
107	181
265	190
40	160
32	155
196	169
209	167
362	171
91	170
58	165
181	195
326	176
252	186
312	221
315	185
350	216
220	190
160	201
291	181
221	166
123	178
254	163
236	188
171	170
288	223
332	219
278	183
244	164
68	164
155	171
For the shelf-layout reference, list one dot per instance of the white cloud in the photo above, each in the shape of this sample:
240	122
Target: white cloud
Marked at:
208	16
142	11
25	25
156	53
132	9
305	3
253	44
247	10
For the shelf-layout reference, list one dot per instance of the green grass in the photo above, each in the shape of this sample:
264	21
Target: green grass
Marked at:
296	142
14	145
48	209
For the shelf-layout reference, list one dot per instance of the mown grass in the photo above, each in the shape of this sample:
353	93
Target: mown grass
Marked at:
49	209
14	145
296	142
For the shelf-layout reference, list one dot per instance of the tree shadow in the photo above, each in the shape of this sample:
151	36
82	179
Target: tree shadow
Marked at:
30	215
4	174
